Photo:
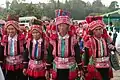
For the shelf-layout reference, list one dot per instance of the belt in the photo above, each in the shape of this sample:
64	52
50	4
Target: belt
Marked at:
103	59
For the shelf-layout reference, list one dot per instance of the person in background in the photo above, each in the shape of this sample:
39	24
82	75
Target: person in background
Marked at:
114	37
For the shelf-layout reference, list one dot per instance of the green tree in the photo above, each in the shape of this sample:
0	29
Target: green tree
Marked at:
113	6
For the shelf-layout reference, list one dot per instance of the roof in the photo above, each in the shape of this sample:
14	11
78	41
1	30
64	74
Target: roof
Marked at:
27	18
107	14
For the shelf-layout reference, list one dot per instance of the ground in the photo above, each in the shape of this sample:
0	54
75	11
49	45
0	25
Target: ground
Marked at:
116	75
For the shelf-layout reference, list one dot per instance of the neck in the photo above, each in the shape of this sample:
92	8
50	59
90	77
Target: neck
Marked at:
63	34
38	38
12	36
98	37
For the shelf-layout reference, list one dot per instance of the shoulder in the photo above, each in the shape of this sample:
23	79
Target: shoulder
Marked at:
21	37
88	42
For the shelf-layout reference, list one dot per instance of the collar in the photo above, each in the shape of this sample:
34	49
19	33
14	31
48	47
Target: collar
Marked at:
98	39
14	38
39	41
64	37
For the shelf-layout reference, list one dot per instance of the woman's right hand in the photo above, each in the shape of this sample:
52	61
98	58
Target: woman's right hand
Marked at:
25	72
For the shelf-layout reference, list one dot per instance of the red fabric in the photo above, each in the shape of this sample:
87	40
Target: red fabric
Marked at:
53	36
90	68
12	17
95	24
89	19
13	67
72	30
54	74
36	74
36	27
110	73
73	75
92	73
13	23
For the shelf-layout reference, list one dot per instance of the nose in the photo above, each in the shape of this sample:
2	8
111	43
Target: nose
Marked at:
10	30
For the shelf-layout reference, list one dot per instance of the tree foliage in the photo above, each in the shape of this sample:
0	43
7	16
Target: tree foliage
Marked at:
78	8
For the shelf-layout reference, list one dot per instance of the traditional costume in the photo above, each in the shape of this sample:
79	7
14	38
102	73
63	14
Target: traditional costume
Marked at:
11	51
97	52
35	55
65	51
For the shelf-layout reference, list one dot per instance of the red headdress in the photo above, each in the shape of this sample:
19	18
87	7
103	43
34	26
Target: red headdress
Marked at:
62	16
36	25
12	20
94	21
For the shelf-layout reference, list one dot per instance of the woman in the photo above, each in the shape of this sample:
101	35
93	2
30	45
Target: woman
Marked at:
97	52
13	45
65	50
36	53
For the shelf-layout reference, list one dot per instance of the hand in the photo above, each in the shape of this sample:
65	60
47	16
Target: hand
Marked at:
47	75
111	47
80	73
25	72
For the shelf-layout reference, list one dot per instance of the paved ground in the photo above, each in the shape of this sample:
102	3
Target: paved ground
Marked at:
116	75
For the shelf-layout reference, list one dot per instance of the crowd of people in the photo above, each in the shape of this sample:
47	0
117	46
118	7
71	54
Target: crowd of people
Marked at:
56	50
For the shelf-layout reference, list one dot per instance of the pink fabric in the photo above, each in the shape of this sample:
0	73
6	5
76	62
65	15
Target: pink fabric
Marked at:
33	49
59	47
13	23
36	27
21	42
36	70
93	46
66	47
64	63
63	19
95	24
73	42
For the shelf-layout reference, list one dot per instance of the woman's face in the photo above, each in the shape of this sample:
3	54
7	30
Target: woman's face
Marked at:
98	31
36	34
11	31
63	29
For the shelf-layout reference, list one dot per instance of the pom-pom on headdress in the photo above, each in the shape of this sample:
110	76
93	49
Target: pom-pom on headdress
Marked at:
62	16
95	21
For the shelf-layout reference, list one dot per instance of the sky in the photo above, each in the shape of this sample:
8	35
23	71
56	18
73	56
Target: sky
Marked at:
105	2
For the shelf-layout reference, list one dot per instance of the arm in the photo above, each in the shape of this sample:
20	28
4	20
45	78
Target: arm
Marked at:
49	56
86	57
1	54
78	56
25	58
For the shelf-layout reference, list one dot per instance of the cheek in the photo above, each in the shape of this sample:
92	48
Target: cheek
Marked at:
8	31
102	31
34	36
